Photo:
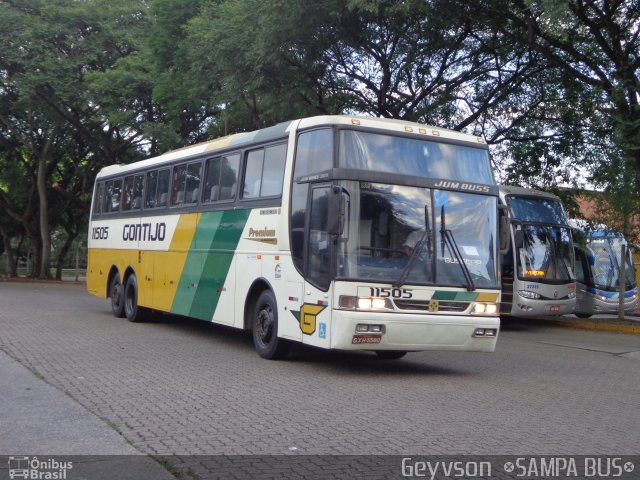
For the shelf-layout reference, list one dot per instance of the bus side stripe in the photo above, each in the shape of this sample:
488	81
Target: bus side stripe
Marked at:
191	276
217	263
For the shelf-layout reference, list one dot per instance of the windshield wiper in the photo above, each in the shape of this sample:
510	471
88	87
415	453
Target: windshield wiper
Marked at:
424	238
450	241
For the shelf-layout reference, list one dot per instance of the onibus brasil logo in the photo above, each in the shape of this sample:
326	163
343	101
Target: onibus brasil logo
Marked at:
35	469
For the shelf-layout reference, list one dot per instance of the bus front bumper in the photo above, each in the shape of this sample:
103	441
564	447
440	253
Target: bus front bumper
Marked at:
408	332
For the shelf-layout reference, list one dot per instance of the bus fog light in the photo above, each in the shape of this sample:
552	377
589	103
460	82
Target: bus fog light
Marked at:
375	328
362	328
490	332
479	332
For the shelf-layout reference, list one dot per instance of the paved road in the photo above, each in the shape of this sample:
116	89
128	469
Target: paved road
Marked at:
181	387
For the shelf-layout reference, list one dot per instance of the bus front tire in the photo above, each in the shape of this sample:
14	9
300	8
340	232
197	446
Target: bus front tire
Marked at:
265	328
133	311
583	315
390	354
116	292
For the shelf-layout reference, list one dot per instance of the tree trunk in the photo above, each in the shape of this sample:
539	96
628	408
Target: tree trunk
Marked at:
71	236
45	234
12	264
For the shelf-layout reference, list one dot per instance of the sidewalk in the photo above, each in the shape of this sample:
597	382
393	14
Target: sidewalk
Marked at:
37	420
605	323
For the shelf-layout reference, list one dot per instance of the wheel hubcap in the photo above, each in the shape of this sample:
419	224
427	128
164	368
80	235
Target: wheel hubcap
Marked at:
265	323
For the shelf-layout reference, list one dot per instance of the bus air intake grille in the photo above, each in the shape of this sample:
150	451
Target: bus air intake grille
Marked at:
423	305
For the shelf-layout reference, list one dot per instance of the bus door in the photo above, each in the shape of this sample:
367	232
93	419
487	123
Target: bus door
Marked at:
315	315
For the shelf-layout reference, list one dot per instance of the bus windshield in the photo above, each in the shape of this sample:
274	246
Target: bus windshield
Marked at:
386	222
606	254
546	254
419	158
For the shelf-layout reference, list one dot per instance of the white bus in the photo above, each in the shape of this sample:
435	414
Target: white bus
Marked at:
333	231
537	271
598	265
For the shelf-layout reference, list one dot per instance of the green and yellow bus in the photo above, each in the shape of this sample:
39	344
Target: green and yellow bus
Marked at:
334	231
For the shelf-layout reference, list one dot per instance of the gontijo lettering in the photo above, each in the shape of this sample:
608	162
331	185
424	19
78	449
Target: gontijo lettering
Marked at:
144	232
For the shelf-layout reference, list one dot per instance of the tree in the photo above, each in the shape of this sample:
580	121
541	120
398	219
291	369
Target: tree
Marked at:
594	45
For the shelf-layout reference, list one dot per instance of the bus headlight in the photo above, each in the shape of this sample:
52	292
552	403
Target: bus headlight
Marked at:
488	308
349	302
571	295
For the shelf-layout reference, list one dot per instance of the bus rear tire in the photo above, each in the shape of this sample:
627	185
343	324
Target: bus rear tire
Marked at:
133	311
265	328
116	292
583	315
390	354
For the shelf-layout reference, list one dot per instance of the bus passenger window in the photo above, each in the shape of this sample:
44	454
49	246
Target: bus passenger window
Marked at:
162	192
112	190
152	185
193	183
132	195
273	172
221	178
253	174
97	202
179	180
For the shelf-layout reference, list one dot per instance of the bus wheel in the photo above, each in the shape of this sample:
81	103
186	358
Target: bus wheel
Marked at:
132	310
265	328
116	292
583	315
390	354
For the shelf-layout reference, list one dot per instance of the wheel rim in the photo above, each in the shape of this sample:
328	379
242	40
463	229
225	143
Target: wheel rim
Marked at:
265	323
116	294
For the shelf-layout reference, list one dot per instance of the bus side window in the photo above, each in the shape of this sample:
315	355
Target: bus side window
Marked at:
132	195
162	192
179	180
151	198
116	195
192	189
97	202
253	174
221	178
273	171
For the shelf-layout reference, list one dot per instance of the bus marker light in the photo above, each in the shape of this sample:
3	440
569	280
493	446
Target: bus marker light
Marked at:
355	121
347	301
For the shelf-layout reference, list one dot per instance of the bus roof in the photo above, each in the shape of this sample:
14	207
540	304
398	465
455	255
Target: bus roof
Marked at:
525	192
280	130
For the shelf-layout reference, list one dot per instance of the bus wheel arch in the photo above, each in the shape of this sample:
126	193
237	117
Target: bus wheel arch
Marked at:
257	287
262	311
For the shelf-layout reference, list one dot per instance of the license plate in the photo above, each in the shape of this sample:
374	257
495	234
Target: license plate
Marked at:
554	308
359	339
